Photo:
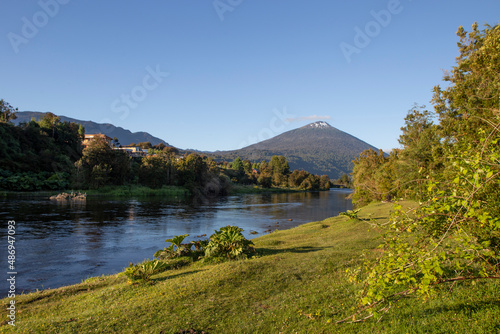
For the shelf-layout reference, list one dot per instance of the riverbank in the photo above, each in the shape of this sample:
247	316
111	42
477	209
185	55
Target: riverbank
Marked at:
109	191
296	283
238	189
142	191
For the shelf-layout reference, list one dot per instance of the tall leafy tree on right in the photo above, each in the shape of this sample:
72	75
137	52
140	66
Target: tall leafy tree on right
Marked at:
453	169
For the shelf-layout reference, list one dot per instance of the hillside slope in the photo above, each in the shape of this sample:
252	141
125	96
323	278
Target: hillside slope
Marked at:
318	148
124	136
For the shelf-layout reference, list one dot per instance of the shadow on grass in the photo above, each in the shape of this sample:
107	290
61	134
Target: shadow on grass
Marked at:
367	219
467	308
305	249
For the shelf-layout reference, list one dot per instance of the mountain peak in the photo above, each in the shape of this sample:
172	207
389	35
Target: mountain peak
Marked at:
319	125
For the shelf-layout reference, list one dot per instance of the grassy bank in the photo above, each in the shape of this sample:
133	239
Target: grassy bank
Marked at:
296	284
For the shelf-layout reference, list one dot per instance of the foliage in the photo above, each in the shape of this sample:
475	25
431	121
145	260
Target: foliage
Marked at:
29	181
7	112
170	251
352	214
38	155
142	272
228	242
454	235
157	170
372	177
100	165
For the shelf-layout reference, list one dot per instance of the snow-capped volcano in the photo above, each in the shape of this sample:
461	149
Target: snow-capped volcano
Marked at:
320	124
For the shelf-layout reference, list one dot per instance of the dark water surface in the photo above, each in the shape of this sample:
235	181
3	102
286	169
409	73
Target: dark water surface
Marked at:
62	243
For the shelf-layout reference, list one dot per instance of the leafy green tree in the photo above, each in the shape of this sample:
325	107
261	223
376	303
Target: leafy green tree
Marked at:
280	170
324	182
191	170
101	165
297	177
144	145
422	153
237	165
7	112
49	123
454	235
170	150
368	171
470	100
156	171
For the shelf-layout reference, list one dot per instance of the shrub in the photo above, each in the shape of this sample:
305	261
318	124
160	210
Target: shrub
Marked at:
353	214
142	272
228	242
169	252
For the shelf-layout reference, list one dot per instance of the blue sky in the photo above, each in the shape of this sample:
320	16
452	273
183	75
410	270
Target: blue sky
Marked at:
219	75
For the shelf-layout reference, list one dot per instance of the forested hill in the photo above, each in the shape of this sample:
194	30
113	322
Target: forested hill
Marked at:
125	137
318	148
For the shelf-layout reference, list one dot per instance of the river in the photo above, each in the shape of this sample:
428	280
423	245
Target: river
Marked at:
62	243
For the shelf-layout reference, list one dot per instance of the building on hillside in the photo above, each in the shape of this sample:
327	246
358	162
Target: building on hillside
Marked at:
133	151
90	137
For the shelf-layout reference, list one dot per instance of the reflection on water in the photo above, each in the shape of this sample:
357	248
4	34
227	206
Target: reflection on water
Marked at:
61	243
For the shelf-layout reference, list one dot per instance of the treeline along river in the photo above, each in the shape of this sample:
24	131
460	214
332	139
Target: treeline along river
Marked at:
62	243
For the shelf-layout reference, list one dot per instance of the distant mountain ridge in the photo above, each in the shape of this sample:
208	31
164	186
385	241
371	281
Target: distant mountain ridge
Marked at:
124	136
318	148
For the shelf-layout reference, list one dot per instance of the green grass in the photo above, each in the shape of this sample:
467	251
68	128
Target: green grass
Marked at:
296	284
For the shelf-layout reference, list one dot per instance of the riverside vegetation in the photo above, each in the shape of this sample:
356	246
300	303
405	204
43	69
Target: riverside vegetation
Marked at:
450	164
48	155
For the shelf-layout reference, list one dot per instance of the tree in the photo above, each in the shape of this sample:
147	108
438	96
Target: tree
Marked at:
116	142
7	112
370	177
422	151
454	235
156	171
280	170
471	99
170	150
48	123
101	165
324	182
144	145
237	165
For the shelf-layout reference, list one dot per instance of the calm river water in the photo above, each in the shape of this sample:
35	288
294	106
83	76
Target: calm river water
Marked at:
64	243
